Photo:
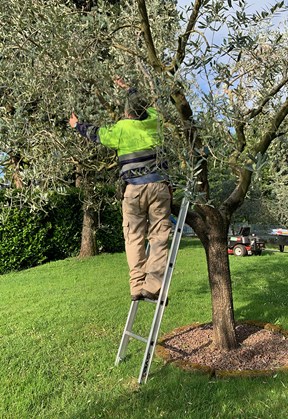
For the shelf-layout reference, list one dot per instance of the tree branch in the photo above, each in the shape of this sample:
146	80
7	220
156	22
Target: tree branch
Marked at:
128	50
254	112
239	128
183	40
152	55
30	39
122	27
271	133
104	102
235	200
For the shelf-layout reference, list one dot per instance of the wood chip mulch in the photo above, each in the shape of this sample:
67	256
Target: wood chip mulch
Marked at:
262	348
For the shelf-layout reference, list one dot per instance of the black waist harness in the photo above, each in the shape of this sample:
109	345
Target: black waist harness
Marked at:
140	171
140	163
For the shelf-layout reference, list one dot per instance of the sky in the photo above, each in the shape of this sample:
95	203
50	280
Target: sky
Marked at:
253	5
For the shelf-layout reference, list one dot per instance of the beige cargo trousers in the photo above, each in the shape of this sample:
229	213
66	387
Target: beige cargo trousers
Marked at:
146	210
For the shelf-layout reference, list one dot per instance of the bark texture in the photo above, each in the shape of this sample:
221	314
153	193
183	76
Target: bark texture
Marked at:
221	289
212	228
88	241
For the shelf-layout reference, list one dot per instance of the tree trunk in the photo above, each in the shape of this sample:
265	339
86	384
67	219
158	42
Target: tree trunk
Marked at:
212	229
221	289
88	241
85	182
16	176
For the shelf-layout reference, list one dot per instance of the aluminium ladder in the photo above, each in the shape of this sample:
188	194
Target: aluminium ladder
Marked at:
160	303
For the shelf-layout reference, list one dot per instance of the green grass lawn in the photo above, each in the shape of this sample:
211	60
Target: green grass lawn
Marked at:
61	325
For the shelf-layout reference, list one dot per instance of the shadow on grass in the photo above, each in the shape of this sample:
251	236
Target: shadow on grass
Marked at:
266	299
190	242
175	394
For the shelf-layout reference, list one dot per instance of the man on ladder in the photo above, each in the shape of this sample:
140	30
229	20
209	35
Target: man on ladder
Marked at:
147	199
146	210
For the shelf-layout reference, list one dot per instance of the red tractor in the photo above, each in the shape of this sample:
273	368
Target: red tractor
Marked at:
244	243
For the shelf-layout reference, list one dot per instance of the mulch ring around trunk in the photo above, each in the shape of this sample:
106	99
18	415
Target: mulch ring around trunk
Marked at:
263	349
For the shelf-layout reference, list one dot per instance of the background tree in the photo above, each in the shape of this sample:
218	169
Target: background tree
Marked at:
275	184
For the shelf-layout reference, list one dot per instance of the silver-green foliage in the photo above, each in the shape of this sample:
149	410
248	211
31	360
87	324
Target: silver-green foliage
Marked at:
56	59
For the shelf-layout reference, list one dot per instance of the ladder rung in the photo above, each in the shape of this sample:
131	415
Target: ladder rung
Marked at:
133	335
148	300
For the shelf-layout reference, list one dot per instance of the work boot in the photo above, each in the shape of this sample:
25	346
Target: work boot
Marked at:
137	297
150	295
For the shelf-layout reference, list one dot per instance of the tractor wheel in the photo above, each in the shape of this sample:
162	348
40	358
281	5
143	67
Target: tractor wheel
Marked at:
239	250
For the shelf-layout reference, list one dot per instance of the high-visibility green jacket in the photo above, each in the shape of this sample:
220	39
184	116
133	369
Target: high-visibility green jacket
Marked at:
136	143
130	135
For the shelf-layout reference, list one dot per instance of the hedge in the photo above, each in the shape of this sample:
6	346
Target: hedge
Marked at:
30	238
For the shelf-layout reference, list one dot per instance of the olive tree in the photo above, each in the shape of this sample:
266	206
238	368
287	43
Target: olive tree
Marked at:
56	58
247	81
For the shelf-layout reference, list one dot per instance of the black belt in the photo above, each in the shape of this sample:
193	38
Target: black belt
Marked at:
141	171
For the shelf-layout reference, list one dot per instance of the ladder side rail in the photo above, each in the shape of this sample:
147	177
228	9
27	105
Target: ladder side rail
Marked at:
129	326
174	248
152	339
127	329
